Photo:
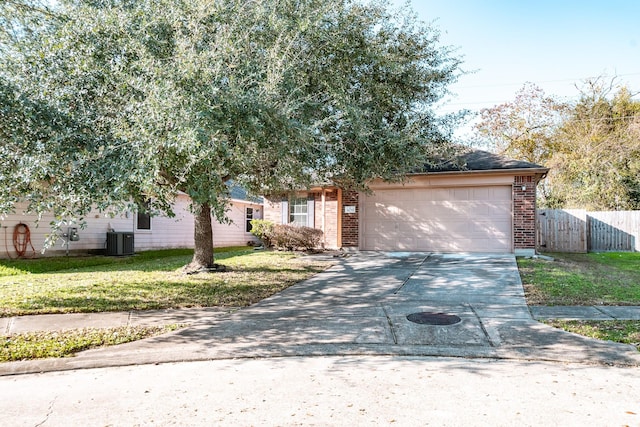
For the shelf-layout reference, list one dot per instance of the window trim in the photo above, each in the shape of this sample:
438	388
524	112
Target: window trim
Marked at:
144	214
286	204
248	216
300	203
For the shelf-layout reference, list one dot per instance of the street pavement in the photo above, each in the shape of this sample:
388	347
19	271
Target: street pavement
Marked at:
327	391
358	307
339	349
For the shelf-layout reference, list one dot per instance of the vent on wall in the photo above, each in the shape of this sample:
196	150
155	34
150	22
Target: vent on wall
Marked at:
120	243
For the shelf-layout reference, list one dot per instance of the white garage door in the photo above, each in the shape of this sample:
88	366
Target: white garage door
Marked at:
468	219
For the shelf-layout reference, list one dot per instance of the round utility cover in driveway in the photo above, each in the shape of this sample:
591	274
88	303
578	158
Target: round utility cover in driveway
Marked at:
427	318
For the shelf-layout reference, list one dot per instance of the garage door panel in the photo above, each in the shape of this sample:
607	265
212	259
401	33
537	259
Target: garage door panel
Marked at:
473	219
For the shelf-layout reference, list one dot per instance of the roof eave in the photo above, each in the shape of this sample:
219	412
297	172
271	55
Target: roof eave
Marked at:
516	171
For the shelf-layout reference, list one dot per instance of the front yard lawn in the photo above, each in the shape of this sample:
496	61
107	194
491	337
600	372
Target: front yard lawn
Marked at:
151	280
611	278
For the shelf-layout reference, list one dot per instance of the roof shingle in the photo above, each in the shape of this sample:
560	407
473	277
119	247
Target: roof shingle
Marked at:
477	160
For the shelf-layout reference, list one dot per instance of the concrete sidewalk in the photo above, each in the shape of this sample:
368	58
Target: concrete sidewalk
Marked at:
61	322
360	306
194	316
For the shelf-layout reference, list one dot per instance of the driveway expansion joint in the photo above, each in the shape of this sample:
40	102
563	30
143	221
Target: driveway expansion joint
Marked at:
484	330
391	327
411	275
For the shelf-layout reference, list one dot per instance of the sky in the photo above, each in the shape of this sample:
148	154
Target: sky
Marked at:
554	44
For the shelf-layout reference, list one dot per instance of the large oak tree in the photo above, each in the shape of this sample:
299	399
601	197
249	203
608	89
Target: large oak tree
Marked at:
109	103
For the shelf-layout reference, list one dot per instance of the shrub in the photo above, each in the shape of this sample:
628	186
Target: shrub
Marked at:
285	236
291	237
263	230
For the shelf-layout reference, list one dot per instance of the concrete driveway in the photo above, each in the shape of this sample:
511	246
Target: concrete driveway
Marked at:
361	306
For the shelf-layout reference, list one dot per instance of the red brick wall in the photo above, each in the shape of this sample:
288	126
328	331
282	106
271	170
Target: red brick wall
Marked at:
273	210
350	220
524	212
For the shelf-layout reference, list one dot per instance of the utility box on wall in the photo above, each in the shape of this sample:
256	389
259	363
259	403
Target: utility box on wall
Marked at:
120	243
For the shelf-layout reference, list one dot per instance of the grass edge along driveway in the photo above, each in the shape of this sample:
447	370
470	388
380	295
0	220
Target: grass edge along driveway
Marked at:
611	278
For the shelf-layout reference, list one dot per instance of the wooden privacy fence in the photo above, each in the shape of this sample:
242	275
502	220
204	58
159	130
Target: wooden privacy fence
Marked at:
576	230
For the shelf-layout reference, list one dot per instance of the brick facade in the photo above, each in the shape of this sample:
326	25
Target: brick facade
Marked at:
272	211
341	228
524	213
330	217
350	221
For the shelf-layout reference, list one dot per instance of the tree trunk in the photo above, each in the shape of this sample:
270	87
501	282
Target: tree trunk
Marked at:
203	240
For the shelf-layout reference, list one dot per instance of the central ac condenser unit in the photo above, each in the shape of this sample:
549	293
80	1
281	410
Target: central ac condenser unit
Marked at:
120	243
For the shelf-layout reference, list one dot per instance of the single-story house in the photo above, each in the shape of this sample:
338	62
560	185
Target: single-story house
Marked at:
480	203
149	232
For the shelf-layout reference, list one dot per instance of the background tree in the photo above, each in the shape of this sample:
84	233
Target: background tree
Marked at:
112	103
592	146
597	161
524	128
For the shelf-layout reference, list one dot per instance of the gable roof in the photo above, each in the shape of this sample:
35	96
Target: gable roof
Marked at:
238	192
472	160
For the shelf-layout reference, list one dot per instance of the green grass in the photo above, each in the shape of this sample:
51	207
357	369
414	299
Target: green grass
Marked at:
39	345
150	280
611	278
583	279
15	267
624	331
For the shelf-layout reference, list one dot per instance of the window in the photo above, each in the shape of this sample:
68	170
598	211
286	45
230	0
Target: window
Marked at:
144	219
249	217
298	214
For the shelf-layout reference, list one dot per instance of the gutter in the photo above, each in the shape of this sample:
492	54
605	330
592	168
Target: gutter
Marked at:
530	171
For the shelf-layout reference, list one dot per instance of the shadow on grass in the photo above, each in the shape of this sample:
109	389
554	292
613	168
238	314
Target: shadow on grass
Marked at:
156	260
119	290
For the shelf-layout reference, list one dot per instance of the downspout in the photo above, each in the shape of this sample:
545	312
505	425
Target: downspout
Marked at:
324	214
339	231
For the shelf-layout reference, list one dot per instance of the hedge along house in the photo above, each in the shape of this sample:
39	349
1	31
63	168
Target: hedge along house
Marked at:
148	232
480	203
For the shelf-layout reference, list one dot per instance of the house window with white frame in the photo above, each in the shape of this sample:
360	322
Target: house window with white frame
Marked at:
248	219
298	214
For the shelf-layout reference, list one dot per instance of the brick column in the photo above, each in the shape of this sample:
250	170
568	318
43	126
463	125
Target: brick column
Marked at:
524	215
350	220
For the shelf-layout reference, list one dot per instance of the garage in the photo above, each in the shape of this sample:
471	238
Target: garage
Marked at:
477	202
448	219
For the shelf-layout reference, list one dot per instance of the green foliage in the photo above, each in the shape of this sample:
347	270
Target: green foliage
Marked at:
285	236
263	230
592	146
596	164
107	104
